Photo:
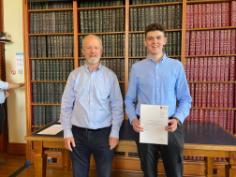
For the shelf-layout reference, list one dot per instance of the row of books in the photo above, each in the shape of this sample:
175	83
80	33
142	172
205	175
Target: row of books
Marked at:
51	22
90	3
49	4
213	95
215	42
62	46
211	69
52	92
43	115
51	46
225	118
113	45
170	16
152	1
117	65
137	48
211	15
197	69
211	42
95	3
101	20
47	92
56	70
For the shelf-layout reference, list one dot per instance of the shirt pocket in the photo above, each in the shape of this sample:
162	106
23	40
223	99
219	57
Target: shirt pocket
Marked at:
103	90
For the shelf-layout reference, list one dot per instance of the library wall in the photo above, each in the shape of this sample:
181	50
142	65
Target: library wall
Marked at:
202	38
211	62
13	24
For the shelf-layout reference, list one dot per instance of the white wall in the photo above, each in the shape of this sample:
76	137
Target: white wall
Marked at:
13	24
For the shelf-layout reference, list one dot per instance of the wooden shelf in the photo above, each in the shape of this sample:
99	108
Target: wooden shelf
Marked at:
45	104
205	56
109	57
48	81
167	30
100	8
50	10
206	1
215	108
53	58
101	33
155	4
50	34
212	28
142	57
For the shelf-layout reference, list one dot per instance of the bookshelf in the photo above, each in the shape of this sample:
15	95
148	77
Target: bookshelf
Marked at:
50	58
210	61
202	38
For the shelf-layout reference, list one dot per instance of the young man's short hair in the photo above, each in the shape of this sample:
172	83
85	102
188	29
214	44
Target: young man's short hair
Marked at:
154	27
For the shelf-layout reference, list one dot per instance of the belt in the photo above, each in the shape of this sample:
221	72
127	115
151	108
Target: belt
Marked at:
89	129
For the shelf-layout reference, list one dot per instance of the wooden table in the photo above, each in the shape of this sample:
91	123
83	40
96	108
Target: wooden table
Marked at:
201	139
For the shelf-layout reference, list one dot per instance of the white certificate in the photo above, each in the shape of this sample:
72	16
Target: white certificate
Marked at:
154	119
52	130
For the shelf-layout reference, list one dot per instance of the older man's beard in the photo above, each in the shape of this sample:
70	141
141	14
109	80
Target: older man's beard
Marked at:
93	60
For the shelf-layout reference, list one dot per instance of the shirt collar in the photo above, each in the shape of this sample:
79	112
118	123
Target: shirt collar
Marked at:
99	67
163	59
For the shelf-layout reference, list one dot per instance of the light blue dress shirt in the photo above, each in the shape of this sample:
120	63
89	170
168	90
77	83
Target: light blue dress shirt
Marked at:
162	83
3	87
92	100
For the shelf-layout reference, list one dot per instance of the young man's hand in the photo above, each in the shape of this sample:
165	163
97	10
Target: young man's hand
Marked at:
172	125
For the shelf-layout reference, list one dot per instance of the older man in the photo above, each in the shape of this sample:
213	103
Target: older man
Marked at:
91	112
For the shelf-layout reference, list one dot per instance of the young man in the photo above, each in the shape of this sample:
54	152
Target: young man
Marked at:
159	80
91	112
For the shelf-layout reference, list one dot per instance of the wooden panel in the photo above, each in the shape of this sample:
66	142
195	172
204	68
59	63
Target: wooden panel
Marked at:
54	158
191	168
16	148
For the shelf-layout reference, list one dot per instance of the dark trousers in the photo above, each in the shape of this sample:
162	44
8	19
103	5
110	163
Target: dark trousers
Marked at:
2	117
91	142
171	154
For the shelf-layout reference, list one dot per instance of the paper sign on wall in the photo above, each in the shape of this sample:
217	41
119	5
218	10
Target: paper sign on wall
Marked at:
20	63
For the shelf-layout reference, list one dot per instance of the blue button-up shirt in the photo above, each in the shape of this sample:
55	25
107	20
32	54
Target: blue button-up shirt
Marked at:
162	83
92	100
3	87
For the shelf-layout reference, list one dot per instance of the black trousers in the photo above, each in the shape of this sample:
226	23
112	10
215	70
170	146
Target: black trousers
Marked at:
171	154
91	142
2	117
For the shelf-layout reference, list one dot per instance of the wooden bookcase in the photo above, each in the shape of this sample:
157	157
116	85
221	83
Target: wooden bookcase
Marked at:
210	61
197	35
